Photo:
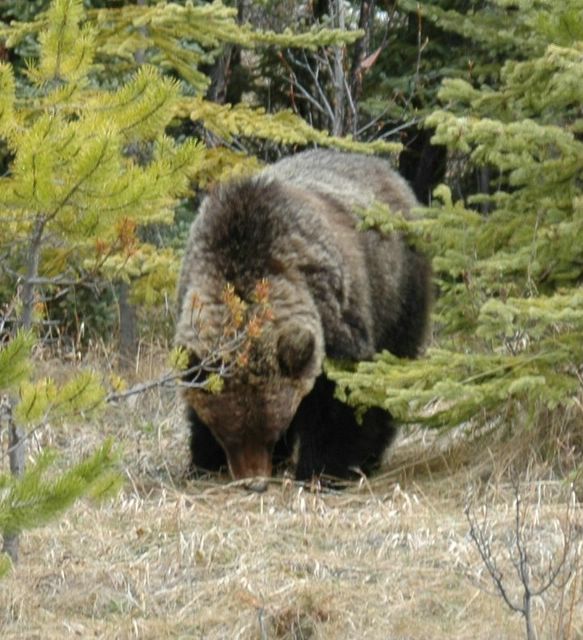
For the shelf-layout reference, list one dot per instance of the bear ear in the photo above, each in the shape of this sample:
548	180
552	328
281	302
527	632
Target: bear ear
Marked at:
295	347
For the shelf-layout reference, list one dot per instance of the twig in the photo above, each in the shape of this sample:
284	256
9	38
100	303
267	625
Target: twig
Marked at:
478	536
567	563
324	105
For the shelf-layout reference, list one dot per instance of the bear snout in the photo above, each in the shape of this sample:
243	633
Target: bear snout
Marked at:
252	462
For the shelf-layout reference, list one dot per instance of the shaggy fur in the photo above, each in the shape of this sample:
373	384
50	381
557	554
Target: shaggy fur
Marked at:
335	292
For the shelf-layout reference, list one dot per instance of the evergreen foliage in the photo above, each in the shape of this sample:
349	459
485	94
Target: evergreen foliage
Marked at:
184	37
283	127
14	364
39	496
509	311
75	192
43	492
73	197
101	88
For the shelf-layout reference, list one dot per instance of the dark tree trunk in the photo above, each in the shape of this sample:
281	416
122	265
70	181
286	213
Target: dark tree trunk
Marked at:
361	51
16	455
128	341
226	74
484	175
339	79
16	442
27	293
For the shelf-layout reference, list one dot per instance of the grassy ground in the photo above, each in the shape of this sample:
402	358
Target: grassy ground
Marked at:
385	559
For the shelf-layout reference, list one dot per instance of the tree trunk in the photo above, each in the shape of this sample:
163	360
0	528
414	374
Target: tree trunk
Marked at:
16	455
221	87
361	51
128	341
484	175
16	442
29	285
339	75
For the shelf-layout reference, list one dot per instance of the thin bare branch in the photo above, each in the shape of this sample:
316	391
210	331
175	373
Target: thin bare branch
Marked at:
478	536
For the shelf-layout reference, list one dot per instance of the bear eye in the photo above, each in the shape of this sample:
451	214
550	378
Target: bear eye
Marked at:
295	347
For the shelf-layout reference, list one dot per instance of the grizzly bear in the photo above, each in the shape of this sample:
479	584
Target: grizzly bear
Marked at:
335	291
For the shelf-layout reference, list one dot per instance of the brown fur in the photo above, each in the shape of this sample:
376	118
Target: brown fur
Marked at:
335	292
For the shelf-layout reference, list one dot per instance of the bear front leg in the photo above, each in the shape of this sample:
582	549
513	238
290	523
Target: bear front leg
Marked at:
332	442
206	453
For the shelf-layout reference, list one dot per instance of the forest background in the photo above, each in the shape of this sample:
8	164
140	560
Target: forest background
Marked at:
116	116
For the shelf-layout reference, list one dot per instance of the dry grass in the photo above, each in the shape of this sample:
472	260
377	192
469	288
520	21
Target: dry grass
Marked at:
389	559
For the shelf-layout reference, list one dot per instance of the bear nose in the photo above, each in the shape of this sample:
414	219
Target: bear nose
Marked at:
251	463
257	485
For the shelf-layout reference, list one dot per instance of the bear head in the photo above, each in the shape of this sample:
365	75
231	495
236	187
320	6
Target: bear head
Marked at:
259	399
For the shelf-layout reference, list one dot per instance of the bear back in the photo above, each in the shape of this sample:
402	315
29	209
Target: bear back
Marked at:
295	224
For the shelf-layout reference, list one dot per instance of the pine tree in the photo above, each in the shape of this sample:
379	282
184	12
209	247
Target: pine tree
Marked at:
71	189
72	196
509	314
32	497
